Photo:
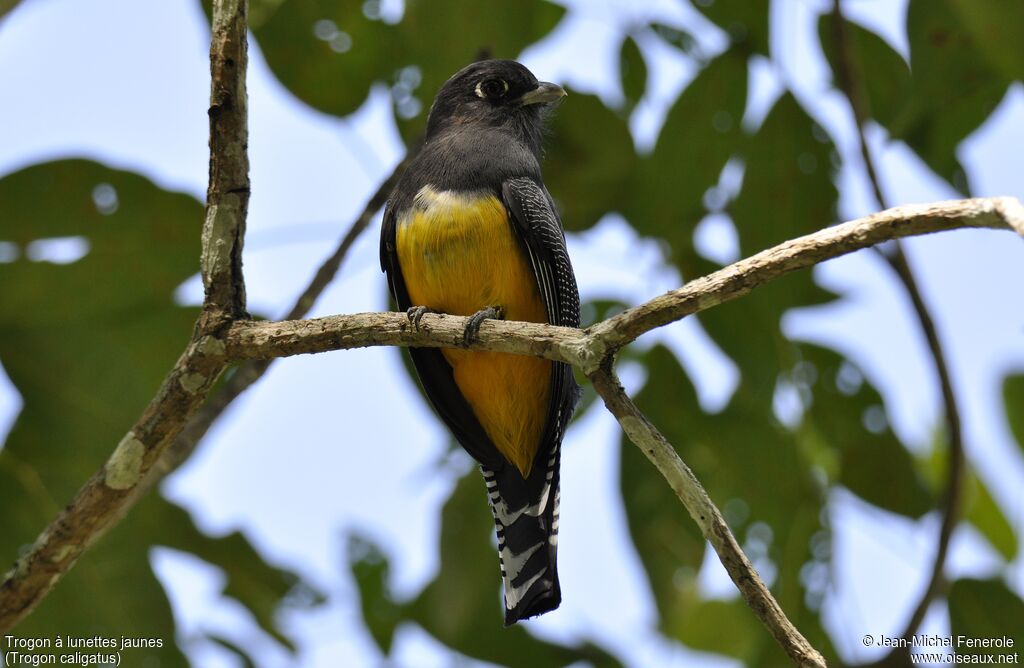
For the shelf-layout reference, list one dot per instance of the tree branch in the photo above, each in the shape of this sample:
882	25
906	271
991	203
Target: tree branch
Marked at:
220	338
108	493
851	83
593	351
691	493
250	371
588	349
227	194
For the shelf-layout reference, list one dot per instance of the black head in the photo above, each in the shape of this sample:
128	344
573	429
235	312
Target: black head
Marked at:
494	93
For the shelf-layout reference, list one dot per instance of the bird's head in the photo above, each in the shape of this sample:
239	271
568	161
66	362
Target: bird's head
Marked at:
494	93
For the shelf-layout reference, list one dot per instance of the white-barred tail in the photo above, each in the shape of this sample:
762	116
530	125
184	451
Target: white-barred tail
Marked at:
527	540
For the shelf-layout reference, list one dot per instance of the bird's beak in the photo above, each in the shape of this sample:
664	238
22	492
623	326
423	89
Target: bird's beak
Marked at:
544	93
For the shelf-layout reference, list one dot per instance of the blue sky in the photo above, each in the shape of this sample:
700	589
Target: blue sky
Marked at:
307	456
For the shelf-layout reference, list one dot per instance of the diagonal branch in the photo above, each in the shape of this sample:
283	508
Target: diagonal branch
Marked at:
852	85
593	351
107	495
693	496
222	335
251	371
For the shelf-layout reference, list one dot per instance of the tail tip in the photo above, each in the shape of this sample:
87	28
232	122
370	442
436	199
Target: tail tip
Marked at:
543	597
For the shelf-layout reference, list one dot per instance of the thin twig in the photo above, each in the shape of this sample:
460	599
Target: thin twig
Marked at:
250	371
851	83
691	493
106	496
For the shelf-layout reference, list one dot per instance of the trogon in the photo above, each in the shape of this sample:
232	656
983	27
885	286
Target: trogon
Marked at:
471	230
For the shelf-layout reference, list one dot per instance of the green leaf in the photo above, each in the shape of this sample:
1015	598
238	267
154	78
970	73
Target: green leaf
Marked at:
236	650
590	160
633	71
462	606
370	569
86	344
261	588
883	74
703	625
995	26
1013	396
744	460
787	191
985	514
700	134
668	541
445	35
7	5
746	22
743	454
953	88
677	37
787	164
330	53
850	420
327	53
981	609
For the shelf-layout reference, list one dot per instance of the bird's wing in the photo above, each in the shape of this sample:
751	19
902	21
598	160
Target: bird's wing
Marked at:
538	227
526	511
434	372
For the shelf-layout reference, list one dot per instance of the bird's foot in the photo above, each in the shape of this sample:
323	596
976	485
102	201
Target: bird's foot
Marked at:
416	313
469	335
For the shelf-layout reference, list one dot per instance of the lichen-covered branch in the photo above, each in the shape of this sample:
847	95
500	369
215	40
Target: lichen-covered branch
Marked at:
107	495
227	193
593	351
695	499
222	336
741	277
587	349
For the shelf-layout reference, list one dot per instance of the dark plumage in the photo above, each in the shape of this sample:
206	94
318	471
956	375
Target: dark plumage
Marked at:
469	222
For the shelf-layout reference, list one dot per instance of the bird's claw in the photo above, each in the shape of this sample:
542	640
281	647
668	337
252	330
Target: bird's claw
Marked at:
469	335
416	313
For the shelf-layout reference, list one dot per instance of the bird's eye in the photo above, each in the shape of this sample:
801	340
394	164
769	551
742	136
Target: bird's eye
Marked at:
492	89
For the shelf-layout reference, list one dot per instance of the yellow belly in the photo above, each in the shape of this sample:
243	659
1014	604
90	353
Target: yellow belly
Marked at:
458	255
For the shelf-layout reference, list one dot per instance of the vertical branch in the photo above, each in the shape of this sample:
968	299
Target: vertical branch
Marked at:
227	194
107	496
851	84
684	483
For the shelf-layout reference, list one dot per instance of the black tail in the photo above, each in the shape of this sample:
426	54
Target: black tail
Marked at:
526	517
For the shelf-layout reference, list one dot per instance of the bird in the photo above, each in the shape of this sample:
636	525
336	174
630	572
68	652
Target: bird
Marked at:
471	230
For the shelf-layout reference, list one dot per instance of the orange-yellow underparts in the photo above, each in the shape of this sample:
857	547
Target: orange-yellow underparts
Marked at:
458	255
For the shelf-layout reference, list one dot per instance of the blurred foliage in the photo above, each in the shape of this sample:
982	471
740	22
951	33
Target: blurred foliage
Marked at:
1013	395
633	71
86	343
458	607
85	360
746	23
985	609
960	74
7	5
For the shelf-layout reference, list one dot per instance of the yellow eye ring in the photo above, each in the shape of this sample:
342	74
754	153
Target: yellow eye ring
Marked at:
491	88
